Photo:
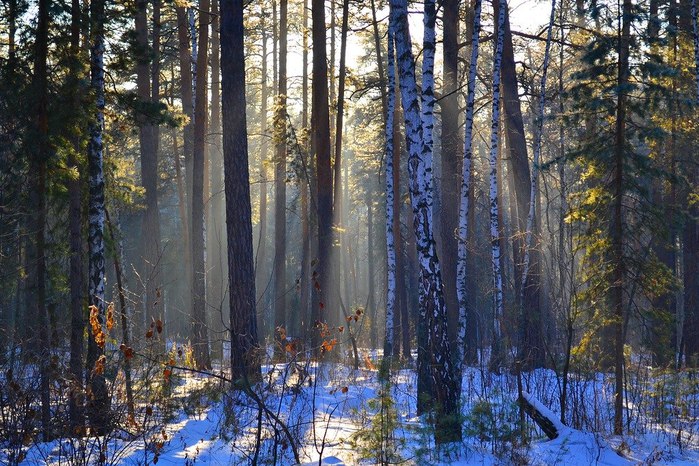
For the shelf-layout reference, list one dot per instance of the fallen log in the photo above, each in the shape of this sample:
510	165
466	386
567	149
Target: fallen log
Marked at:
542	416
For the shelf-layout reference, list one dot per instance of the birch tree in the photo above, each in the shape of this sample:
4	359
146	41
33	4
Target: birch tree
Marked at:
496	357
461	266
99	400
390	240
432	308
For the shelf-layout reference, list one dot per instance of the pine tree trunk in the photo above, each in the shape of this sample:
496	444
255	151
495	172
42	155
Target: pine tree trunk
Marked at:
37	316
245	357
320	129
305	213
280	319
216	218
618	262
148	143
187	99
200	334
261	255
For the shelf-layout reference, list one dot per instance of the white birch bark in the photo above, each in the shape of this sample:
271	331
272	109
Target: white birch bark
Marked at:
494	140
390	239
98	406
429	40
432	308
538	133
96	178
461	265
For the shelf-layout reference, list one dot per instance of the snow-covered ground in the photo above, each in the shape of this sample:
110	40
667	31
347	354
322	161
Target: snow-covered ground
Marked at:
336	416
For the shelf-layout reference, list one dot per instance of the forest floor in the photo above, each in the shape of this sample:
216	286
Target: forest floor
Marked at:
343	416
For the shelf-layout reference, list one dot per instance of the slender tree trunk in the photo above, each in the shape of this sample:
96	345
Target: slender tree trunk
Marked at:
261	257
432	309
462	264
617	224
497	353
148	143
339	275
391	280
125	346
98	406
215	219
200	334
451	170
371	307
37	316
77	325
305	221
245	362
280	320
187	98
320	129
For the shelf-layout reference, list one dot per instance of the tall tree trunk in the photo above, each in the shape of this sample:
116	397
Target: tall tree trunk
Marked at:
371	307
148	143
245	361
261	256
339	274
37	316
280	178
462	264
498	350
388	350
451	173
320	129
215	228
77	324
305	221
432	309
187	98
618	263
98	405
125	346
200	334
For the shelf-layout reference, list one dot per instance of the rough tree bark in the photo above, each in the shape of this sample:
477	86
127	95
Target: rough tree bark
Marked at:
320	129
245	357
280	178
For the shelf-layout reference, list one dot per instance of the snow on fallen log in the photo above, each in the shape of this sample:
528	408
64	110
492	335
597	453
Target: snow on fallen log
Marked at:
544	417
